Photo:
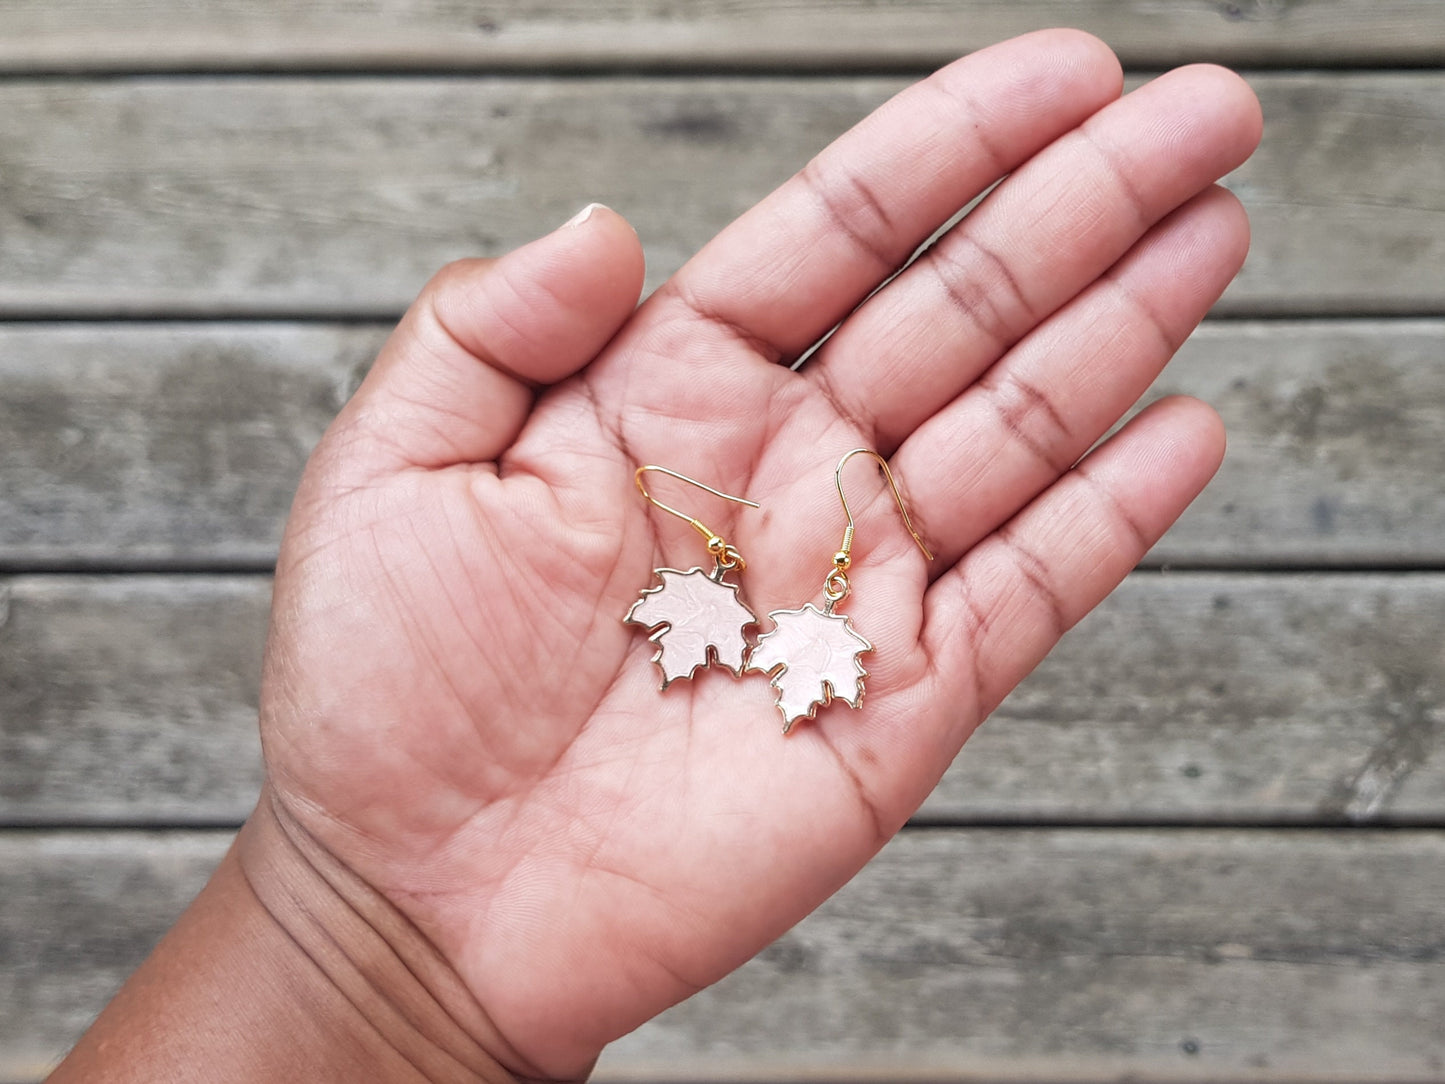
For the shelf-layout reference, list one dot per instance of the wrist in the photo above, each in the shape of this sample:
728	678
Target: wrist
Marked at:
288	967
384	982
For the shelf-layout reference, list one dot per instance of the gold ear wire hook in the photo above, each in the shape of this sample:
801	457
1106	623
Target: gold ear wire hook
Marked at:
715	543
843	558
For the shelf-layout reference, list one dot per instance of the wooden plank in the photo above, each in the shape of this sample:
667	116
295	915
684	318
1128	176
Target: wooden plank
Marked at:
340	196
1334	449
102	35
1212	698
130	700
1087	956
1193	698
180	445
143	444
991	954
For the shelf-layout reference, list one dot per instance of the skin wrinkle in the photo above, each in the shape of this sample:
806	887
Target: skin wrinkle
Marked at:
764	351
857	420
654	413
613	432
1127	310
592	863
679	290
967	304
384	434
756	453
427	646
529	853
435	659
840	216
881	834
1171	342
952	274
289	828
1038	399
981	621
305	951
1008	594
513	812
1036	573
1013	417
434	428
599	838
425	551
1136	530
890	543
519	466
692	986
865	193
727	515
1005	331
457	276
519	573
542	771
380	1032
1144	216
504	272
970	303
483	653
957	98
1149	322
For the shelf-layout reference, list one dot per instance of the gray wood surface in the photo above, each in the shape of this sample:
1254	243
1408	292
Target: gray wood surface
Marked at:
1194	698
962	954
340	196
1098	956
102	35
1335	451
180	445
130	700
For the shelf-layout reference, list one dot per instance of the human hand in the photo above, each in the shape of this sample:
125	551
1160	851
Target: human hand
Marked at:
452	707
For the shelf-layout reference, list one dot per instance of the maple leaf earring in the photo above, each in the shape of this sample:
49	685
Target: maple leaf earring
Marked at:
812	654
693	613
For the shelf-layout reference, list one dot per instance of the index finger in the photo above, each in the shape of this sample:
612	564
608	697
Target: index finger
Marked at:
789	269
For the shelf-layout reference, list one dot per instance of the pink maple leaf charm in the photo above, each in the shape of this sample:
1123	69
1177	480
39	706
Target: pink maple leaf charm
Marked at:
690	614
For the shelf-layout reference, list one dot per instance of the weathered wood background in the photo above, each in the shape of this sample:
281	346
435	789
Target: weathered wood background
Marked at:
1206	841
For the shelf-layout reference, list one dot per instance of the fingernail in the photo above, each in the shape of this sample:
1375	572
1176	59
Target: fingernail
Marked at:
582	215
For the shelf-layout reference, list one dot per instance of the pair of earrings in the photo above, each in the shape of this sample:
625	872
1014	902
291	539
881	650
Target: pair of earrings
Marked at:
810	655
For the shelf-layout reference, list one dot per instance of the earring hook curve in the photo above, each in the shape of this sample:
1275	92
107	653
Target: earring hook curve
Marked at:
715	543
844	555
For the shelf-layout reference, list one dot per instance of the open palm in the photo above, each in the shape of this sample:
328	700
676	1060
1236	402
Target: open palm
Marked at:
453	706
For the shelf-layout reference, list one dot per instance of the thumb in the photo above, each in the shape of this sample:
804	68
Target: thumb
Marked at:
457	379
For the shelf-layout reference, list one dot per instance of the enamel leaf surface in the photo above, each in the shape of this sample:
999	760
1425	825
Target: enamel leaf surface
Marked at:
816	656
691	612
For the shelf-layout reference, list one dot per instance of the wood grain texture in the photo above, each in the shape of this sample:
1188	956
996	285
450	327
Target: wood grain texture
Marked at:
1189	698
179	445
100	35
1213	698
1073	956
341	196
173	444
1334	455
965	954
130	700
